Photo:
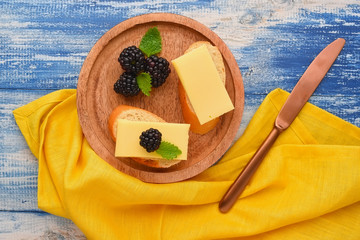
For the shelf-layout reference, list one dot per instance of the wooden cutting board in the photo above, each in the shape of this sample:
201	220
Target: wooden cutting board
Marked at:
96	97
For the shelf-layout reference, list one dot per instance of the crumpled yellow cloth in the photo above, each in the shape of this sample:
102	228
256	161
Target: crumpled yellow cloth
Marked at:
308	186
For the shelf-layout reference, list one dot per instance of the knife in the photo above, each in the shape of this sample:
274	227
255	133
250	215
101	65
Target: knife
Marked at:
291	108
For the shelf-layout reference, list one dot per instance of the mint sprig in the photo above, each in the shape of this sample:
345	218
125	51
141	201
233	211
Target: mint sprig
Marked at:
151	42
144	82
168	150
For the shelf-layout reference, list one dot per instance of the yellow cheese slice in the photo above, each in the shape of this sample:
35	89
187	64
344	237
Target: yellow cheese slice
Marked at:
128	133
202	83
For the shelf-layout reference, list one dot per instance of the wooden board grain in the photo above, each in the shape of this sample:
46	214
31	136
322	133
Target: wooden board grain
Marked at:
96	98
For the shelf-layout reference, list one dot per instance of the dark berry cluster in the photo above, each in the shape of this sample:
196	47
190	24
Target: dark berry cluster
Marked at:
127	85
133	61
150	139
158	68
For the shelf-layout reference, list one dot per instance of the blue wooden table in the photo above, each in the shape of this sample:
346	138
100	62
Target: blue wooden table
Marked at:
44	43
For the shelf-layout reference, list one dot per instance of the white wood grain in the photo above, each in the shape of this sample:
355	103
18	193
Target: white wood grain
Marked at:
33	226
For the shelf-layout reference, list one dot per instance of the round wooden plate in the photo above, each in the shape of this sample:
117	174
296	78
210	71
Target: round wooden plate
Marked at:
96	97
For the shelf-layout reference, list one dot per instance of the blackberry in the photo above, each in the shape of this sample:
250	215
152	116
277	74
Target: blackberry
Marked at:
150	139
127	85
132	59
158	68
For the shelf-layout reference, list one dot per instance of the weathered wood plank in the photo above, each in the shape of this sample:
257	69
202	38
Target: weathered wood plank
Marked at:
272	42
28	225
18	166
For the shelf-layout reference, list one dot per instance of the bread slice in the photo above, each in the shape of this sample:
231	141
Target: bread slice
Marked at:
187	109
137	114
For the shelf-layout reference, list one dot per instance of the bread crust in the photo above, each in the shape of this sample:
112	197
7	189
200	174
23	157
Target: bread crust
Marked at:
159	163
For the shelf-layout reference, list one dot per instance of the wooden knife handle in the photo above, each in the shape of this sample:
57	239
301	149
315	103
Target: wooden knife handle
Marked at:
242	180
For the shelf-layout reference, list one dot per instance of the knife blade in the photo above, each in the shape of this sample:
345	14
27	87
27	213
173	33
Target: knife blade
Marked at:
301	93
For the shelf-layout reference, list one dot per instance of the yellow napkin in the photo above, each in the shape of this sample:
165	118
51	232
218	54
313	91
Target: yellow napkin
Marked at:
308	186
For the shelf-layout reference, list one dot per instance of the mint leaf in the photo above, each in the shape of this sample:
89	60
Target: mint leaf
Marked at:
168	150
144	82
151	42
